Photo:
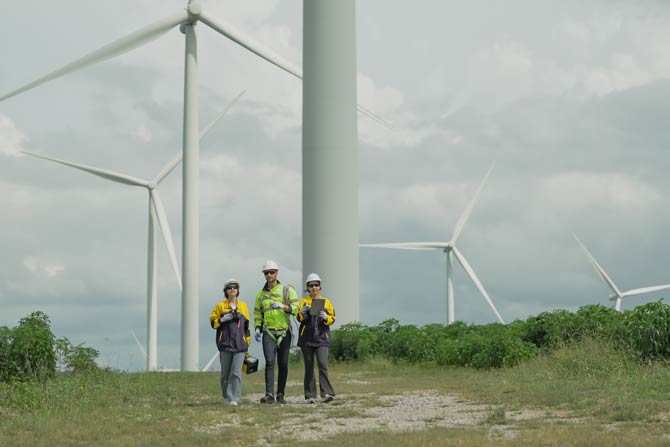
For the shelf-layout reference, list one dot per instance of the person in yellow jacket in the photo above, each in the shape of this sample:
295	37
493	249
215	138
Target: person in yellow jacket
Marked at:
275	304
230	318
314	339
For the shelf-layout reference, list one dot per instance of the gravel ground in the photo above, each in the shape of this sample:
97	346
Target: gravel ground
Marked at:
403	412
371	412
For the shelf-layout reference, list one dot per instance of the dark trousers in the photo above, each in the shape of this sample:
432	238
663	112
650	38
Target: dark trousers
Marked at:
273	353
325	387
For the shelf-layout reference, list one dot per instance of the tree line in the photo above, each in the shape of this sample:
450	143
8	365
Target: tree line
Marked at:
644	331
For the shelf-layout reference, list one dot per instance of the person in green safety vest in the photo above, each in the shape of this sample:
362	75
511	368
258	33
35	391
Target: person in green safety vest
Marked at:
275	304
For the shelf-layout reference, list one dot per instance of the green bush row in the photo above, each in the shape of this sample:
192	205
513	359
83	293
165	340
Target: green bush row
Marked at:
30	351
645	331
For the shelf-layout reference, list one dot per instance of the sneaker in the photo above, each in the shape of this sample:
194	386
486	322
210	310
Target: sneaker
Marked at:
233	403
327	398
268	399
309	400
280	399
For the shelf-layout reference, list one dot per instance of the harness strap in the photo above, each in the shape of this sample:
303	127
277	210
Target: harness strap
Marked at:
277	336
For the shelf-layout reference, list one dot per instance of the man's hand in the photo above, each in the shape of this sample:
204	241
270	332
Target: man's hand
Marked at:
323	315
257	336
276	305
226	318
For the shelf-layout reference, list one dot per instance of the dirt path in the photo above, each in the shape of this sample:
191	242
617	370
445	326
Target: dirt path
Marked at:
365	412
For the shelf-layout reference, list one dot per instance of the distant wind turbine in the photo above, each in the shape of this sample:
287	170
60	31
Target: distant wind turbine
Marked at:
449	248
156	215
214	357
144	353
187	21
139	345
617	295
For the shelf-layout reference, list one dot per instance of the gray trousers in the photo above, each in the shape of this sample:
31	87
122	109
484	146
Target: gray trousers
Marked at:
231	375
325	387
278	354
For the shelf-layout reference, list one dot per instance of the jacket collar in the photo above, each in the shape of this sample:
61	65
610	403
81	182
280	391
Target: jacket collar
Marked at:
266	288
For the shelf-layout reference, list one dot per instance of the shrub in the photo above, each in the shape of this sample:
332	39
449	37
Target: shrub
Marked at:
409	344
598	321
31	350
551	329
5	358
647	330
82	359
349	342
484	349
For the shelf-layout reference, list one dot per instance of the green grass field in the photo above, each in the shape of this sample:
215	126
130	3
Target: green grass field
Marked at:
586	395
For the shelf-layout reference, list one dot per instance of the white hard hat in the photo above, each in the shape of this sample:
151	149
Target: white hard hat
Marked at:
312	277
231	281
270	265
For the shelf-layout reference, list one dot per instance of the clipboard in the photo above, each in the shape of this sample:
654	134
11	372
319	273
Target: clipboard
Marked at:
318	304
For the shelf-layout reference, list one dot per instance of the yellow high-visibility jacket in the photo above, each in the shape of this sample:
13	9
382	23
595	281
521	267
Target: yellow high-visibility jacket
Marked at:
234	335
313	330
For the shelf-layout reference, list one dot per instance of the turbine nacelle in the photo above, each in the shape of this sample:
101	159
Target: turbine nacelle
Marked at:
194	9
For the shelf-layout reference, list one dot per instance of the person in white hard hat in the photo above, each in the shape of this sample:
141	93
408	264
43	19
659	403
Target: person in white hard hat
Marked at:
230	318
314	339
275	304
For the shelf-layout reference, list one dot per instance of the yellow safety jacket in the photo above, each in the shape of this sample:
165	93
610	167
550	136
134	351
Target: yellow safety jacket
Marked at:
314	331
234	335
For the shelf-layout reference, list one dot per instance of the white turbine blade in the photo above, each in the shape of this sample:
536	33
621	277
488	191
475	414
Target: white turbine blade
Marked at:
601	271
109	51
238	37
269	55
379	120
168	168
642	290
210	362
410	245
165	231
104	173
139	345
473	276
468	209
206	130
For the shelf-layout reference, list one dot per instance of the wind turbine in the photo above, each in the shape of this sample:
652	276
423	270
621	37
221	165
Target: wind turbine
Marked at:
617	295
214	357
139	345
156	215
190	197
144	353
449	248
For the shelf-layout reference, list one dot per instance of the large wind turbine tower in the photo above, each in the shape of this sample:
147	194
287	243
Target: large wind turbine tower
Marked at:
330	151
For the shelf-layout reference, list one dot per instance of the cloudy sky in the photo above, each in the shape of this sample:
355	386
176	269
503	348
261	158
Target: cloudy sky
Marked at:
569	98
